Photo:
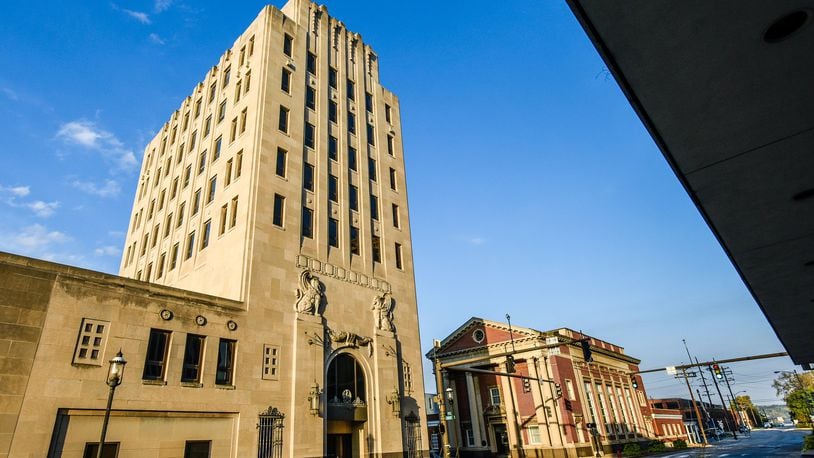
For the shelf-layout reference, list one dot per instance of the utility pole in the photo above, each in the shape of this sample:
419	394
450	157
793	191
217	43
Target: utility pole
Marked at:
695	406
723	404
732	397
704	381
442	402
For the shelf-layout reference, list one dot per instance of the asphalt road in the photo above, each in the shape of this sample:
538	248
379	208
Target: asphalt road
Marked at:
762	443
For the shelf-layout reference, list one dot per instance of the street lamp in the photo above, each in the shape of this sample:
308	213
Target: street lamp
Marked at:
451	400
115	375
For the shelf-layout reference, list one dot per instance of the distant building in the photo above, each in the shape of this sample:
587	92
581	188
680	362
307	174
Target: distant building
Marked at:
498	415
266	302
714	416
669	423
433	423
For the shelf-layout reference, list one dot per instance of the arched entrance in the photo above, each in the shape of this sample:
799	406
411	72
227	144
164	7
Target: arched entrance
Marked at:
347	407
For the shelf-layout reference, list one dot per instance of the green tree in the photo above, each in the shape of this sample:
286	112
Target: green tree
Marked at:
798	392
745	403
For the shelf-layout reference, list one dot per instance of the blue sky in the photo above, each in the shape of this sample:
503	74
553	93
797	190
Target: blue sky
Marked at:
534	189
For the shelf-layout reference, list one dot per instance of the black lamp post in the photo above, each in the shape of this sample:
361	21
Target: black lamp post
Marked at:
114	379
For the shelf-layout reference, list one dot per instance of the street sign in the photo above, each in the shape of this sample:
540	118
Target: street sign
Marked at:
687	374
450	416
671	370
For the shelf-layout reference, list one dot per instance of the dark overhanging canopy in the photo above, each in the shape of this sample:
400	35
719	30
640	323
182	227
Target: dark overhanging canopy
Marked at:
726	90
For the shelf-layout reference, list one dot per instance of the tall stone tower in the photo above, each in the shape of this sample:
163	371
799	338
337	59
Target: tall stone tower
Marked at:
279	183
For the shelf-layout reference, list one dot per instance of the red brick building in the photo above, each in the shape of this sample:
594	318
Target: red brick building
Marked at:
548	414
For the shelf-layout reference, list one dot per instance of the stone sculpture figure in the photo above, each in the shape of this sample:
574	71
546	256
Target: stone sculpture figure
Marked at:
383	306
309	294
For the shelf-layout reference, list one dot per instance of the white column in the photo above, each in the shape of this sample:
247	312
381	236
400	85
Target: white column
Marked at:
474	412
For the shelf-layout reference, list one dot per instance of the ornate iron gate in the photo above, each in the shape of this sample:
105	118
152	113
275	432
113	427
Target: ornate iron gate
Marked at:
270	434
412	433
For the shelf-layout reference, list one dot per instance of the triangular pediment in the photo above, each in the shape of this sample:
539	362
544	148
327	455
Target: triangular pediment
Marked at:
478	333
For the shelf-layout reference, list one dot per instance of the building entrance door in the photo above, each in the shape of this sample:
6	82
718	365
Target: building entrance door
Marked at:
340	445
501	439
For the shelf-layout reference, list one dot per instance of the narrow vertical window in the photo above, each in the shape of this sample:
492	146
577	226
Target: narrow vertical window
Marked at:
374	207
352	158
226	362
311	63
208	126
218	148
371	134
279	209
174	257
224	212
222	111
193	355
393	184
369	102
229	172
281	162
212	90
307	222
288	41
196	201
353	197
233	221
190	245
309	135
202	162
283	124
161	260
332	110
174	188
308	176
333	188
238	163
168	225
213	184
243	115
351	123
371	168
332	147
377	248
351	90
238	91
332	77
333	232
310	97
197	108
396	219
192	141
248	80
387	115
185	123
233	130
149	272
180	220
227	74
207	227
390	145
285	81
156	359
354	240
187	175
398	256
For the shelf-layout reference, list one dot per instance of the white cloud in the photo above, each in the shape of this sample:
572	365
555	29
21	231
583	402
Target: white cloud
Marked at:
110	188
138	15
155	38
107	251
476	241
17	191
10	94
162	5
42	209
87	134
32	240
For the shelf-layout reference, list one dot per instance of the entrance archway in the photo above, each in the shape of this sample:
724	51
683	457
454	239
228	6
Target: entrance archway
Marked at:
345	390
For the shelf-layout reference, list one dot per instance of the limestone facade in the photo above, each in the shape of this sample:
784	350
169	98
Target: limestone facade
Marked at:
270	234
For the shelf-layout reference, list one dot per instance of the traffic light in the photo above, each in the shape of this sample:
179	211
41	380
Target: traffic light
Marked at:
586	350
510	364
634	382
557	390
716	369
526	385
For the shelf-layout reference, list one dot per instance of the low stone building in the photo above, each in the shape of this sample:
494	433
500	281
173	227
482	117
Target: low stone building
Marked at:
669	423
560	406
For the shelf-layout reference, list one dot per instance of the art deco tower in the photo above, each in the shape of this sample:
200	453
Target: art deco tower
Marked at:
279	183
